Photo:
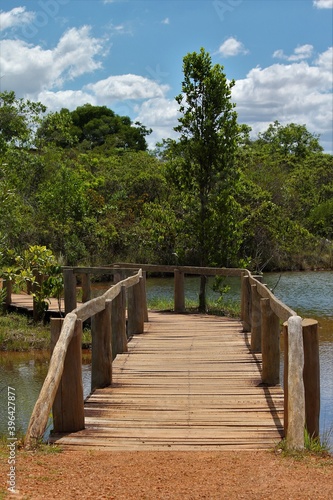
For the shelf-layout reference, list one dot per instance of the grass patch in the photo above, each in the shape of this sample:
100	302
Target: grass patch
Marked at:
218	308
313	447
19	333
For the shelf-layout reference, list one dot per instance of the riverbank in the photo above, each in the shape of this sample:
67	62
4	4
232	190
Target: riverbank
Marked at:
169	475
18	333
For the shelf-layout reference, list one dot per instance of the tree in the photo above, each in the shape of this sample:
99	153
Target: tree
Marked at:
18	120
205	169
290	140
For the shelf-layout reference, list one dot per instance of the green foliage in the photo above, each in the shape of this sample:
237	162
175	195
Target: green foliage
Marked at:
37	270
82	183
93	126
18	120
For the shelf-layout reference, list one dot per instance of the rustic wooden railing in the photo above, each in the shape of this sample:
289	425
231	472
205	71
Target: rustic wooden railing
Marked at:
262	314
62	388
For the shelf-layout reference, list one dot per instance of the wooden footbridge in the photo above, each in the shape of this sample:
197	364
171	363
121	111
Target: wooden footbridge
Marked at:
183	381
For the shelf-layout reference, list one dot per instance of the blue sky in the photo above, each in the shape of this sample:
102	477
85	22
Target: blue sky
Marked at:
127	54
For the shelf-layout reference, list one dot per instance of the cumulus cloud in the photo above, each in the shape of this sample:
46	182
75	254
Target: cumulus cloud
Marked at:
29	69
160	114
124	87
69	99
15	17
323	4
298	92
301	52
232	47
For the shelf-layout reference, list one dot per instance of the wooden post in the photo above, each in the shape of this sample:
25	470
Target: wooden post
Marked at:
255	320
86	287
179	291
68	406
69	290
118	322
296	399
311	376
144	296
245	303
270	343
135	309
285	377
101	357
117	275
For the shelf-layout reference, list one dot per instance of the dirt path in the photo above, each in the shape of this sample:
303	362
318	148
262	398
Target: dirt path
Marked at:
169	476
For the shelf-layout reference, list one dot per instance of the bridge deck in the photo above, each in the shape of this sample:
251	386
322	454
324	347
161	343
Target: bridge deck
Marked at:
189	382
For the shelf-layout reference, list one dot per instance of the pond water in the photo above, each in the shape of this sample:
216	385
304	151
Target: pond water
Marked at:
308	293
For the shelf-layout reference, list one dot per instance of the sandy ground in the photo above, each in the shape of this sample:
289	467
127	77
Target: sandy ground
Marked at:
168	475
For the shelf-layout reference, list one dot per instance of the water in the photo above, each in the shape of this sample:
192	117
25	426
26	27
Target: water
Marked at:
25	372
308	293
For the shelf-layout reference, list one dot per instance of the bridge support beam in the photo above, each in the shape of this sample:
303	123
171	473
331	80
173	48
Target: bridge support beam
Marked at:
294	410
101	357
179	291
311	376
255	320
136	308
68	406
270	344
69	290
246	303
118	324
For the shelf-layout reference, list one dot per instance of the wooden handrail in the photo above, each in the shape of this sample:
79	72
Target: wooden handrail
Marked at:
42	408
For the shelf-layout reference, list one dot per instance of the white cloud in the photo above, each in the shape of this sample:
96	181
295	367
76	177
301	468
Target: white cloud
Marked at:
124	87
166	21
232	47
323	4
15	17
29	69
160	114
70	99
301	52
298	92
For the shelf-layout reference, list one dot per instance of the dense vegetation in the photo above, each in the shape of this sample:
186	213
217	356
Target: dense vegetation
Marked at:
84	184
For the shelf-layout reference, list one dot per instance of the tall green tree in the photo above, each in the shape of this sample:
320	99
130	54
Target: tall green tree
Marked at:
18	120
206	171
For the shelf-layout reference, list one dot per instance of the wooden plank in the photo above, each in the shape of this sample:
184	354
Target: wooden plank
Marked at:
189	382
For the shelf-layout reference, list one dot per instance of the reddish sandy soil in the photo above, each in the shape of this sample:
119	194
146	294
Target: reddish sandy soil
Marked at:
169	475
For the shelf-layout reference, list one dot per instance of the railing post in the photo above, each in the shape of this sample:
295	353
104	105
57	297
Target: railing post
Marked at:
144	296
116	275
245	303
69	290
118	322
68	406
101	356
270	344
135	309
86	287
179	291
311	376
295	385
255	320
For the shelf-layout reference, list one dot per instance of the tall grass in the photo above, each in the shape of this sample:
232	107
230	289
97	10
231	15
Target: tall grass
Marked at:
19	333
